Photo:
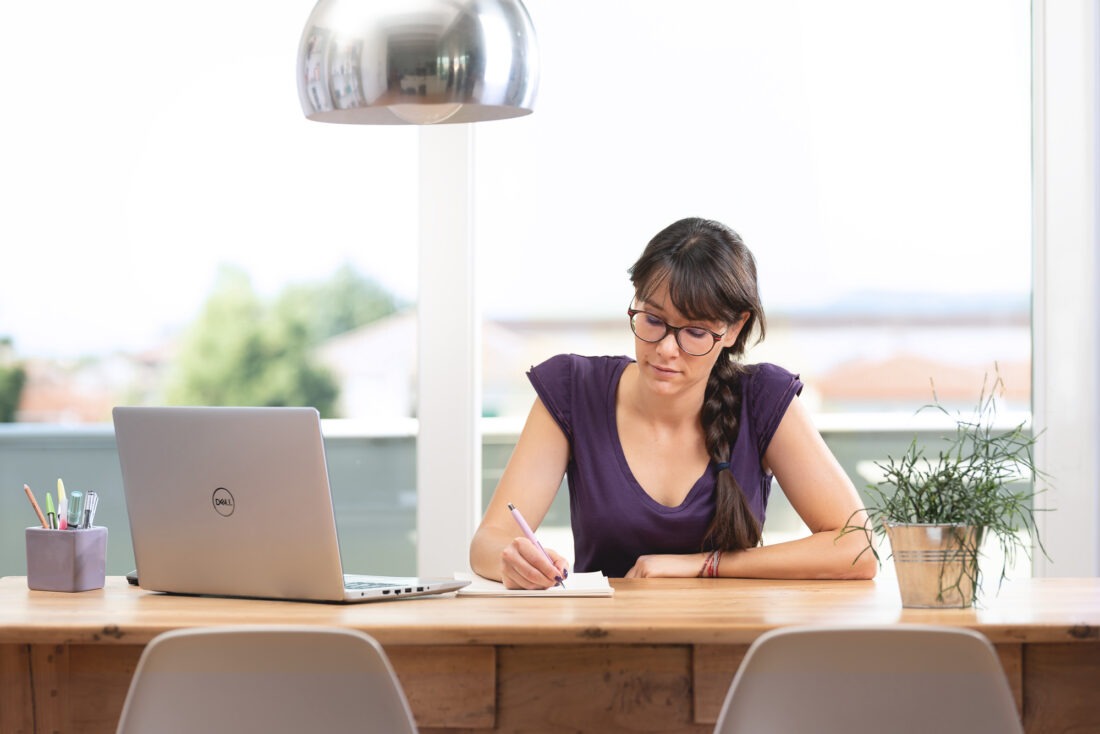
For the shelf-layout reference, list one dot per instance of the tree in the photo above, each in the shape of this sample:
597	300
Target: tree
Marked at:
12	378
241	351
345	302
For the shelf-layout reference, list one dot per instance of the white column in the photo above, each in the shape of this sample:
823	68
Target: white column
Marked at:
448	462
1066	308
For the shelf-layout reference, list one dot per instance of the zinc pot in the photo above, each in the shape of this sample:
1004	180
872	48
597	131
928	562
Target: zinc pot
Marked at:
937	565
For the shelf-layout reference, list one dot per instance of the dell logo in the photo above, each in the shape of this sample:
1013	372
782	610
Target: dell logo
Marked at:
223	502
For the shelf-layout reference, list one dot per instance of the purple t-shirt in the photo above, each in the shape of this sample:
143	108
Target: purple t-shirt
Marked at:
614	520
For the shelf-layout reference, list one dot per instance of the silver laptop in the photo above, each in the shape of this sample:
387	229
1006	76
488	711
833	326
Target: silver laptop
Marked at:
236	502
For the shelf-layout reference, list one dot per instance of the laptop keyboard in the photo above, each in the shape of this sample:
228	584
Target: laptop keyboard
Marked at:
360	585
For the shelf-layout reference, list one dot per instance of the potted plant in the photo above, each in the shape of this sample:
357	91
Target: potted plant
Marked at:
937	512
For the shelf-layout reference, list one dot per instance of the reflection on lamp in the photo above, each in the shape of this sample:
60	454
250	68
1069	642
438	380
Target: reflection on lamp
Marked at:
425	114
394	62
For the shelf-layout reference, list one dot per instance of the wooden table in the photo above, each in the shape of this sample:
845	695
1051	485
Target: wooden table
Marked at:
658	656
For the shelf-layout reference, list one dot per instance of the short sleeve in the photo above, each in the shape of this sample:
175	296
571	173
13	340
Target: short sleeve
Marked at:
768	392
553	383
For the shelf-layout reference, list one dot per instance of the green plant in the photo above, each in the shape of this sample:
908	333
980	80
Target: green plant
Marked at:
13	377
970	482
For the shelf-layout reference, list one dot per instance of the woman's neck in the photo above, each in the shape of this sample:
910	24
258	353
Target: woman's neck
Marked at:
669	411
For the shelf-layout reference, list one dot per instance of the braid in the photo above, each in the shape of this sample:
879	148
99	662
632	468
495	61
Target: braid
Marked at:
734	527
710	274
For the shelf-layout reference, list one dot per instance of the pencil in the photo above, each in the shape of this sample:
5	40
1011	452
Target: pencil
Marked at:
34	504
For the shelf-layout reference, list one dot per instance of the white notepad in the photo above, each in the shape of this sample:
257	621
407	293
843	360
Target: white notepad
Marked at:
578	584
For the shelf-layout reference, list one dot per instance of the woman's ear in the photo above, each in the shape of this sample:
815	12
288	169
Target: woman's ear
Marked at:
734	330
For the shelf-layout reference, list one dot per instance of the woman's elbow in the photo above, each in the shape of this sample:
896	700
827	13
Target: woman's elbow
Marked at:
480	554
856	559
864	567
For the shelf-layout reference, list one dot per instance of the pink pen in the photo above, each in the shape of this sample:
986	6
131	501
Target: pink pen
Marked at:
531	536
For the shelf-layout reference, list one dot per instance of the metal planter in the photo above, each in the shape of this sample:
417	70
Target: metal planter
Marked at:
937	565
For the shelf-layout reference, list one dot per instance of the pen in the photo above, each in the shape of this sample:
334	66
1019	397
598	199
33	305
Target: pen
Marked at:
91	502
531	536
62	506
50	514
37	509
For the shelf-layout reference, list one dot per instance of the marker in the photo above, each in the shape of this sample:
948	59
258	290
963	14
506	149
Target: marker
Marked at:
75	513
50	514
62	506
531	536
37	509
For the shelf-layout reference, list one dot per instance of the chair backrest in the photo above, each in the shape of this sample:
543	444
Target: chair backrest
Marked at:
264	679
898	679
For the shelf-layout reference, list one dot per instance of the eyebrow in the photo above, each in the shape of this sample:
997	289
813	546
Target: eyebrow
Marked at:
689	324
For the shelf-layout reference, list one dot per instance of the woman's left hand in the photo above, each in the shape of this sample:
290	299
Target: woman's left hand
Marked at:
667	566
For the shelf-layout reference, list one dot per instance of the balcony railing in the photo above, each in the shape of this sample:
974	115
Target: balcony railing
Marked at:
372	470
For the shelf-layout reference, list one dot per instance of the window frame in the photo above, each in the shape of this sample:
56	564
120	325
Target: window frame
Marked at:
1065	313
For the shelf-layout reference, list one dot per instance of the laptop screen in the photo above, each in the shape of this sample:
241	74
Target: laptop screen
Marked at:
229	501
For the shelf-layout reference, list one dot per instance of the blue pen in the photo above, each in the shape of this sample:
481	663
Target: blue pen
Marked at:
531	536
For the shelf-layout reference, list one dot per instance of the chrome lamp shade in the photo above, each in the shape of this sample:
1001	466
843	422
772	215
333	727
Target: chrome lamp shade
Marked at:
395	62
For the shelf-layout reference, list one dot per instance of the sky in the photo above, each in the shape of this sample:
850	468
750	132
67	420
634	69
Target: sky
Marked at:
856	145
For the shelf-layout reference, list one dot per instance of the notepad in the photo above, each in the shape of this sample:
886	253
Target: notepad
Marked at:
593	583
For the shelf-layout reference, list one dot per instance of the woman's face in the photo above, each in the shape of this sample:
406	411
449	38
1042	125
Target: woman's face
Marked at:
664	364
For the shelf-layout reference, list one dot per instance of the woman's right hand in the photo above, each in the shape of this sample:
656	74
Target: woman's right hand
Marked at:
523	565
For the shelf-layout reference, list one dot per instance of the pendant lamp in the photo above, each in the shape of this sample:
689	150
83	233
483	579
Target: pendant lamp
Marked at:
395	62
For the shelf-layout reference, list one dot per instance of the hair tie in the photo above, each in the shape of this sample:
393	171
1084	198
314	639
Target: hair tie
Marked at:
723	465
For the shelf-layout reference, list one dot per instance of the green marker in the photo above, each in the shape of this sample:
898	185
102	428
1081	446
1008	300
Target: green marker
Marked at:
51	516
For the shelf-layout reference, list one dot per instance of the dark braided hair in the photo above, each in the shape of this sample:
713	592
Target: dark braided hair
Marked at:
711	276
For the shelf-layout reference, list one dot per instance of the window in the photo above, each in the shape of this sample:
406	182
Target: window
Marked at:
875	156
147	145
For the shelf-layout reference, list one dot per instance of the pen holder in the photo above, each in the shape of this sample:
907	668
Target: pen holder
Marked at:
66	560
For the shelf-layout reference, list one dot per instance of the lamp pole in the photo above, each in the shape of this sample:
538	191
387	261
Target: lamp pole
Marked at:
448	455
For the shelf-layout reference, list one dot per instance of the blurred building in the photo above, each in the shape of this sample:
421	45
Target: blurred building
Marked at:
850	361
853	358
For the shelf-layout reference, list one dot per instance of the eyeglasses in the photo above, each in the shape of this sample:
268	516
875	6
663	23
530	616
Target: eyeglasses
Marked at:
694	340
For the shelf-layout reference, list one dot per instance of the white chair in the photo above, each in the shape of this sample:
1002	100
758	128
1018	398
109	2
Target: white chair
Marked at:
269	679
899	679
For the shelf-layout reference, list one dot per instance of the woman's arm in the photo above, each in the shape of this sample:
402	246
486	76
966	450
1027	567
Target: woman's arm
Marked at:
825	499
530	481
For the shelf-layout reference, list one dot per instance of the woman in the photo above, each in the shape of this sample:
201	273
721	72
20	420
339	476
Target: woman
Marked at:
670	456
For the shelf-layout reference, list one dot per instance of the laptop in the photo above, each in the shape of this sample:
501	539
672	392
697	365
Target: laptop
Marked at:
236	502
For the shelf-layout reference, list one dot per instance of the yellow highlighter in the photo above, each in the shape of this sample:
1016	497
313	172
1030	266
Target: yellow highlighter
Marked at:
62	506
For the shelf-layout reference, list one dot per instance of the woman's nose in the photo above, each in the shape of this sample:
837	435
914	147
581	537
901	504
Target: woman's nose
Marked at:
669	345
